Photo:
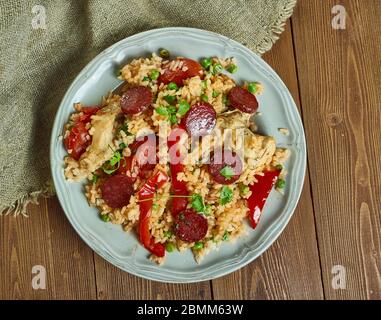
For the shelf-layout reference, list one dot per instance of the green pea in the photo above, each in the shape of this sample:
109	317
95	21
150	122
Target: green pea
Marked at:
217	68
208	210
164	53
204	98
183	107
170	99
225	99
232	68
280	183
225	237
198	246
244	189
252	87
215	94
168	234
105	217
169	246
206	62
154	74
172	86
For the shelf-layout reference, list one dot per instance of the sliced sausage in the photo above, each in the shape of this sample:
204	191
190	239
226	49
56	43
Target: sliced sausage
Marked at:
136	100
221	159
117	191
190	226
178	70
200	119
243	100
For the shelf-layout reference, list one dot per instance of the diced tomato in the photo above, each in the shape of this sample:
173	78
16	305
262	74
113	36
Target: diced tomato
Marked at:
76	141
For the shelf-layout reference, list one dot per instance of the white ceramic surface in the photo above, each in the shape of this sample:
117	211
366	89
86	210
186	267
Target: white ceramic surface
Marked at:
278	111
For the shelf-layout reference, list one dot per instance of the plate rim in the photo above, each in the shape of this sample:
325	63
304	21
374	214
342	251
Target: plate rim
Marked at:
301	142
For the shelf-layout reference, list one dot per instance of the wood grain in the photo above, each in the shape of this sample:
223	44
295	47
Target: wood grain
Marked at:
340	80
45	238
112	283
337	74
290	268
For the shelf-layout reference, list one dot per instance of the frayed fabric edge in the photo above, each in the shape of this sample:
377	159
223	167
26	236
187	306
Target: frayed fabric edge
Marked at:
19	207
276	28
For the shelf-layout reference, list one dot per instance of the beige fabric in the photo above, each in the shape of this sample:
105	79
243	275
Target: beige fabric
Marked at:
38	65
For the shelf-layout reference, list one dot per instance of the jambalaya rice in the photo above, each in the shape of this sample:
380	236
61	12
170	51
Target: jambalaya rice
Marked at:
158	97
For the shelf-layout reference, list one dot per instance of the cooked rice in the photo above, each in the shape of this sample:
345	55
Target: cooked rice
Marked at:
223	219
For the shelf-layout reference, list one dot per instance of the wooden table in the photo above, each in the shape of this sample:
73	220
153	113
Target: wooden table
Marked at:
335	79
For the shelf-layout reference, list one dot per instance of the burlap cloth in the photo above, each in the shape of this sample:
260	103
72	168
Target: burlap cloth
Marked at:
37	65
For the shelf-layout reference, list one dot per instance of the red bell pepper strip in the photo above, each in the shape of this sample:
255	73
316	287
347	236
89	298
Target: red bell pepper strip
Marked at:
259	194
179	188
147	193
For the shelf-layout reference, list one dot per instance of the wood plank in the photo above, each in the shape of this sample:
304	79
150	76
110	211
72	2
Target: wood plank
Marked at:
45	238
340	80
115	284
290	268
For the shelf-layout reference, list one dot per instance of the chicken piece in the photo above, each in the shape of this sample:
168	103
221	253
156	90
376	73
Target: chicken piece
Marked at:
99	150
258	150
233	120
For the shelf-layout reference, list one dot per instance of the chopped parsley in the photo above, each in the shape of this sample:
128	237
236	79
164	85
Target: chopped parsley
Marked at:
162	110
95	178
124	128
225	237
227	172
113	164
199	205
226	195
204	97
